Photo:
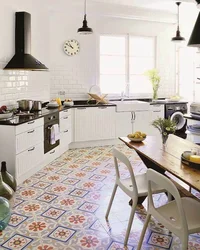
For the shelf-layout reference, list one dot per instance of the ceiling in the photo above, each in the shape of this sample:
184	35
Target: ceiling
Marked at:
164	5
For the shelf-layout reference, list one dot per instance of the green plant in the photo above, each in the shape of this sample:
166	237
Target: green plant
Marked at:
165	126
154	77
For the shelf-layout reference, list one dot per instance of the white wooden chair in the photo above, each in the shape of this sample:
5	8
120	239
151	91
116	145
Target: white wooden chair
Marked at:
181	216
134	187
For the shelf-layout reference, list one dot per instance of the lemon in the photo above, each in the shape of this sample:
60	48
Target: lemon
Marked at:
137	136
143	135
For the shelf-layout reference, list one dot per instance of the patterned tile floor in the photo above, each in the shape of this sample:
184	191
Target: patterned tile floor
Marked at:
63	207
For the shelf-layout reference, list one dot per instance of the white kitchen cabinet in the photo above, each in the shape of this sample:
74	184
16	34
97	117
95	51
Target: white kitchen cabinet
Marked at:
28	159
65	130
95	123
142	121
123	124
157	111
130	122
22	147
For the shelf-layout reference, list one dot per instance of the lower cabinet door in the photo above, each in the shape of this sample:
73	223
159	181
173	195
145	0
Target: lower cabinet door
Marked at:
65	140
29	159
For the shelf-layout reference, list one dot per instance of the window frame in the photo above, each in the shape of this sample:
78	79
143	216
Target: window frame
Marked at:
127	62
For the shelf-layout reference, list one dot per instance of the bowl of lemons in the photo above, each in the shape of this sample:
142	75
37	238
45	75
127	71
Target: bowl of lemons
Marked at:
138	136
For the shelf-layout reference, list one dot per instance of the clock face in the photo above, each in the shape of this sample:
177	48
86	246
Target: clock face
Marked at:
71	47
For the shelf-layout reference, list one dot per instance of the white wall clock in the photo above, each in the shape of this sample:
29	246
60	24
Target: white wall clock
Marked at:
71	47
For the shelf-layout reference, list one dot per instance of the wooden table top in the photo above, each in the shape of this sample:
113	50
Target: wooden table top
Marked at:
168	157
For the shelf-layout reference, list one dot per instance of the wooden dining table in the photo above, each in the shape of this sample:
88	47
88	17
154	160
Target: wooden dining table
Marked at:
167	157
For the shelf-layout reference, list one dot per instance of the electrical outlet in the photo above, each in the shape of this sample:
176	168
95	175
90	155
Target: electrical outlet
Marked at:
61	92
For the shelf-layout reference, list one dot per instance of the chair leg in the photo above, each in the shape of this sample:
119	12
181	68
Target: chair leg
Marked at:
185	243
111	201
143	231
130	222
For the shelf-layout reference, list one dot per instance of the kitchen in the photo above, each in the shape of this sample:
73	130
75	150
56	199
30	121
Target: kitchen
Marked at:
85	170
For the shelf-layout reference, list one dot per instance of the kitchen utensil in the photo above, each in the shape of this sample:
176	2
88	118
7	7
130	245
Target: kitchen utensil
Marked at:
99	99
25	105
37	106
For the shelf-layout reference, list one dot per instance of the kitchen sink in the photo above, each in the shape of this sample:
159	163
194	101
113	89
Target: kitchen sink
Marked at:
128	106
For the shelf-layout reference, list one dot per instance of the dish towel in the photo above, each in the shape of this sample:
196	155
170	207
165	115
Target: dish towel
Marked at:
54	134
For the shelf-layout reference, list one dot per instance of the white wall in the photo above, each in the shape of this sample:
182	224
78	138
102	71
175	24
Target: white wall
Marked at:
15	85
76	74
53	22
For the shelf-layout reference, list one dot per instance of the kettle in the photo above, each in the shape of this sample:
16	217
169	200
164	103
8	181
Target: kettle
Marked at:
37	106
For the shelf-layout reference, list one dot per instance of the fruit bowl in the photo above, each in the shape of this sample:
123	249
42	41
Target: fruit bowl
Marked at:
138	136
6	115
68	103
136	139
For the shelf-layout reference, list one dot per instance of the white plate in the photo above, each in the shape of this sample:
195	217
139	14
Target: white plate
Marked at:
136	140
52	105
6	115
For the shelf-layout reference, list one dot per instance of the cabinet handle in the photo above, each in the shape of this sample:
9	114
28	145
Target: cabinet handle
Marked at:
65	131
52	152
31	149
29	132
81	108
31	122
65	117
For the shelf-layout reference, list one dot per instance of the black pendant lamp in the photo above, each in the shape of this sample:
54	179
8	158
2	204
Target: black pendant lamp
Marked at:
194	40
198	3
178	38
85	30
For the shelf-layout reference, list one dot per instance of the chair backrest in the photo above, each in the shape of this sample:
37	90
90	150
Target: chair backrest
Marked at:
168	185
120	156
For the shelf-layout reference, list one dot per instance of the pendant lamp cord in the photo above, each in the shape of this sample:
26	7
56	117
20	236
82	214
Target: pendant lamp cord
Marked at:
178	3
85	10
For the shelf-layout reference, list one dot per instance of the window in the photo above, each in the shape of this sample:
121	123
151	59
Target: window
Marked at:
123	61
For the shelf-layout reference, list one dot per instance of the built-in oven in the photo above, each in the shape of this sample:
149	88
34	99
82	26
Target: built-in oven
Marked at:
49	121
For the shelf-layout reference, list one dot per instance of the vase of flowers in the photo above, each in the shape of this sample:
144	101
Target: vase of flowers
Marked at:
154	78
165	127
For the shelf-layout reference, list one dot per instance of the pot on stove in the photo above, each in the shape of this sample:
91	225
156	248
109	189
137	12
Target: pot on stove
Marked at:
37	106
25	105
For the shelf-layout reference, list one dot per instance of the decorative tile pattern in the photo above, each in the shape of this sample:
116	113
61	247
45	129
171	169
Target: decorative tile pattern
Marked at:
16	219
88	207
62	234
78	192
160	240
63	206
47	197
71	181
18	242
53	213
41	184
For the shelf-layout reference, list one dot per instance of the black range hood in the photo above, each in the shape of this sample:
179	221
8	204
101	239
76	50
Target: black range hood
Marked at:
23	60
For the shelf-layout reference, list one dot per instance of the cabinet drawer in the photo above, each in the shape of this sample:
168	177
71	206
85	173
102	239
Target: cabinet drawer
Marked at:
29	159
65	123
64	113
29	139
65	138
29	125
51	155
